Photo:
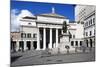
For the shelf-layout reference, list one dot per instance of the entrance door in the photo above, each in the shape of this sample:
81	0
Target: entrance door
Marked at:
29	45
87	43
90	42
35	44
13	45
21	45
47	37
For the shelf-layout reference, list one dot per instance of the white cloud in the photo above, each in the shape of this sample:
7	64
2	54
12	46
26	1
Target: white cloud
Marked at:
15	18
23	13
14	24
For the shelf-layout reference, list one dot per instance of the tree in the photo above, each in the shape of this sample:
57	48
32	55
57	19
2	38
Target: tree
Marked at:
64	27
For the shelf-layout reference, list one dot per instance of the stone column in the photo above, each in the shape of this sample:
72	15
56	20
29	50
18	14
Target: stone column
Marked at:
32	45
88	43
17	45
74	43
25	46
50	44
38	39
56	37
44	38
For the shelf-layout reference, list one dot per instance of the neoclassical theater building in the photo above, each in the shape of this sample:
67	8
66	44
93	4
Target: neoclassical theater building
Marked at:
43	31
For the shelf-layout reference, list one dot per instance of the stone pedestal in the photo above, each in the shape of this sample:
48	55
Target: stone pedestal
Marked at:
64	41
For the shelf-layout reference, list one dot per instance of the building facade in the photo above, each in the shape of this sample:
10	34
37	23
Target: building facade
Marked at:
43	32
86	15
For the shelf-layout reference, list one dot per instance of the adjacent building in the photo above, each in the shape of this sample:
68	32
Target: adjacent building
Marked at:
86	14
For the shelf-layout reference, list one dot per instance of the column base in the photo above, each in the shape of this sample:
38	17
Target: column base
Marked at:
50	46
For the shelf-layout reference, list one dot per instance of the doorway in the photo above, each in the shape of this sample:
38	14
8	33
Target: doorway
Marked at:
29	45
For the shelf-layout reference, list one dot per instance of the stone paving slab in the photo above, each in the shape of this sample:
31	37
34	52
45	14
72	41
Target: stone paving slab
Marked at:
35	58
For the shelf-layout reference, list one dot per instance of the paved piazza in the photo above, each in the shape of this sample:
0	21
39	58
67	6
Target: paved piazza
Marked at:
41	57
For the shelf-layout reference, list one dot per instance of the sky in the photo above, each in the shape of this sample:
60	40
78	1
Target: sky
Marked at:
22	8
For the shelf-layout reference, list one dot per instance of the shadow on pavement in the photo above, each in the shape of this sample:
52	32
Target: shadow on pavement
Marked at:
14	58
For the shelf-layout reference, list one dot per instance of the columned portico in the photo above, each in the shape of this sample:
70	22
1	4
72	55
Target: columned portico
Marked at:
49	35
48	41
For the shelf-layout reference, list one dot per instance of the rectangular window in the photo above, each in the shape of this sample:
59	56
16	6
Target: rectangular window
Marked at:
93	20
70	36
73	36
76	43
80	43
86	33
86	23
94	31
23	35
89	22
35	35
90	33
72	43
29	35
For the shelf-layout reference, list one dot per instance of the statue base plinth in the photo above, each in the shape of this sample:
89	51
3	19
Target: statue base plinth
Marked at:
62	49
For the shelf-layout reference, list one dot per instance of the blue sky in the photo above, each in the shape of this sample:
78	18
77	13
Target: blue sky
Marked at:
36	8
